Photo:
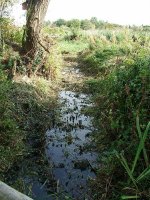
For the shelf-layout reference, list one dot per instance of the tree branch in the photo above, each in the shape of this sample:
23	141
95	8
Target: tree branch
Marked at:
45	48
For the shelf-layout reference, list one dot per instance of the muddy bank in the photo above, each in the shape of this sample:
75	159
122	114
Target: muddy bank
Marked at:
72	77
29	170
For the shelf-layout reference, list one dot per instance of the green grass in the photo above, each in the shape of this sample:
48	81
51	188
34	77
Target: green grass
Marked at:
131	171
120	88
73	46
23	111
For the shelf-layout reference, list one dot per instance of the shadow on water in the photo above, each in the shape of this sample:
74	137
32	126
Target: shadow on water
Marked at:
72	164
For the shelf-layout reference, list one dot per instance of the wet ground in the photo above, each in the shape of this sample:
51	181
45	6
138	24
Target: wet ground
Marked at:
68	142
67	146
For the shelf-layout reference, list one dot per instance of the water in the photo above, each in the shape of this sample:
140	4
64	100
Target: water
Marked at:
66	142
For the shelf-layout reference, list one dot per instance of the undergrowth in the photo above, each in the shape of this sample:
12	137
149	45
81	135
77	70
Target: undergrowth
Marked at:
24	108
120	64
11	146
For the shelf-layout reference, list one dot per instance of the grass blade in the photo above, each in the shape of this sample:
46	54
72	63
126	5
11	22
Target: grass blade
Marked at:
144	174
130	197
125	165
140	136
140	147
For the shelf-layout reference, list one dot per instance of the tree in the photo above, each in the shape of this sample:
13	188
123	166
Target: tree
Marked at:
98	23
86	24
5	5
60	22
47	23
36	11
74	24
94	21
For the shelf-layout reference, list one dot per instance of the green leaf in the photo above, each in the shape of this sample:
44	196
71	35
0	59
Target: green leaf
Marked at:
140	136
125	165
144	174
140	147
130	197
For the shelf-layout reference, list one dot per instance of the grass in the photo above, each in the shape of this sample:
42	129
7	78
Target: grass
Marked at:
25	106
11	136
131	171
120	88
73	47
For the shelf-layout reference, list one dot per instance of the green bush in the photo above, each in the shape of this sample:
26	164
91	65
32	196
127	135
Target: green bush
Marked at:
10	32
121	92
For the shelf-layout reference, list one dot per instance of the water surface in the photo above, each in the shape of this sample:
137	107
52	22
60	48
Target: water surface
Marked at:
66	146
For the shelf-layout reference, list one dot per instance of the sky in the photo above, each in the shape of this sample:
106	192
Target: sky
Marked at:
124	12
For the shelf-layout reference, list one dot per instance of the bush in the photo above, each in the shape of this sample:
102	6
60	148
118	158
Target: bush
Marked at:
10	32
121	93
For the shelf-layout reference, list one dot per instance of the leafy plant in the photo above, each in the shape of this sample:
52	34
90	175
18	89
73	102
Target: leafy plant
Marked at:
120	89
131	171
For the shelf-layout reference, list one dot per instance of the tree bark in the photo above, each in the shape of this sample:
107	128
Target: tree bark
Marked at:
35	17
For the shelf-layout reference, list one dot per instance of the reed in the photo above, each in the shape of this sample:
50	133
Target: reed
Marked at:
131	170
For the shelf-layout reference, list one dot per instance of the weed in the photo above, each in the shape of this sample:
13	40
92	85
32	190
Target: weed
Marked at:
120	89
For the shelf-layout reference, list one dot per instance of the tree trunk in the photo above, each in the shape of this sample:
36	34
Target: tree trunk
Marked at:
35	17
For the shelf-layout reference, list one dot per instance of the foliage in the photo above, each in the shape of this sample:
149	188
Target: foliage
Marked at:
54	63
11	143
9	33
97	23
4	4
23	111
121	91
57	32
60	22
74	23
87	24
73	46
131	171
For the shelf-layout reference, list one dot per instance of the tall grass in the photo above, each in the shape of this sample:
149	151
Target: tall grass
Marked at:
131	170
119	62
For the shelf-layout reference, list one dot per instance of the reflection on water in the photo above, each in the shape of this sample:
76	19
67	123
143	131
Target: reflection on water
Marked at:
65	146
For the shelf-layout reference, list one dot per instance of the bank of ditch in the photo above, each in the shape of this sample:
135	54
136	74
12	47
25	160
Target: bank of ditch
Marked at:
25	107
34	109
120	86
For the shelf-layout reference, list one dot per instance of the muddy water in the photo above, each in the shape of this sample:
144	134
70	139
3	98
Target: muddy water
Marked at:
66	146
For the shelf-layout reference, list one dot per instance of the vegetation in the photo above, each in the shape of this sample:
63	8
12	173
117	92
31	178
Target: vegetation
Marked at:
120	64
84	24
11	136
24	103
117	62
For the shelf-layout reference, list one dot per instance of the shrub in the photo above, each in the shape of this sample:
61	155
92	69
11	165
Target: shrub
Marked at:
121	92
10	32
